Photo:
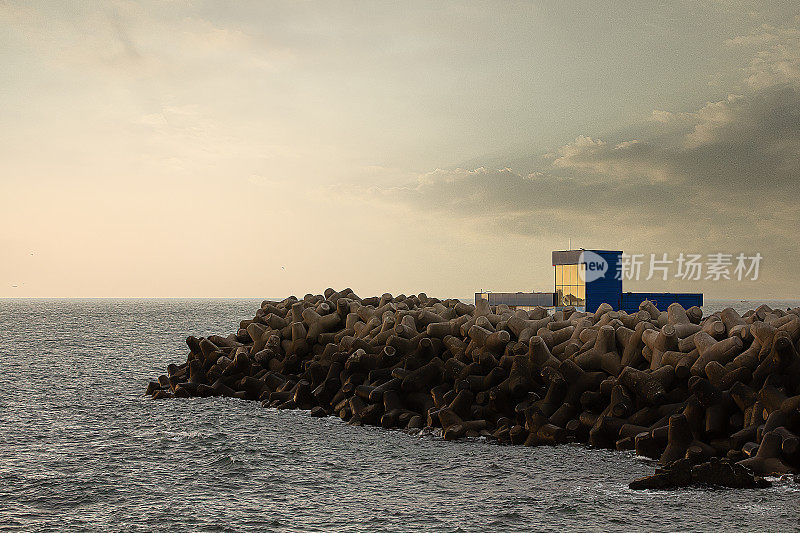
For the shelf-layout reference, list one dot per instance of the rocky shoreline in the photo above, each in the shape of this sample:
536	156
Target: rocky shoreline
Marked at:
715	399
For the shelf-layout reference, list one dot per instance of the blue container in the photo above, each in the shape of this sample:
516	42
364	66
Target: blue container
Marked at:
606	288
630	301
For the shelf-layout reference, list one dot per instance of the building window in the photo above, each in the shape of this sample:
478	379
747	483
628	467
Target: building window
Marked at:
570	287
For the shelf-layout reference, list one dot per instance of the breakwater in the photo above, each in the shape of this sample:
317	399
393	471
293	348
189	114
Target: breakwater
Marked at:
672	385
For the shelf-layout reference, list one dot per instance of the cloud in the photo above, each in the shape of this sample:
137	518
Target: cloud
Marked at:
723	176
740	145
267	104
749	141
777	54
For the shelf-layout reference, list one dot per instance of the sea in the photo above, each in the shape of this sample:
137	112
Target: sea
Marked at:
83	449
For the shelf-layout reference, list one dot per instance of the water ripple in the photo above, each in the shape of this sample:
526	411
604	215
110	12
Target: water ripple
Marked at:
82	450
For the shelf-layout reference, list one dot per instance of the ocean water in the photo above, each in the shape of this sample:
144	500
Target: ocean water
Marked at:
81	449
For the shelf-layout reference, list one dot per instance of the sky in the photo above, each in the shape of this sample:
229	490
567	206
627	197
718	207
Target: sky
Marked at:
261	149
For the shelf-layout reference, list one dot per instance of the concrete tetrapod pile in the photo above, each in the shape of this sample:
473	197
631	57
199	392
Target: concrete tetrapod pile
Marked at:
671	385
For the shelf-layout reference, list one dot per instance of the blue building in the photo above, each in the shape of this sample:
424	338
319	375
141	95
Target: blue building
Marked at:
585	279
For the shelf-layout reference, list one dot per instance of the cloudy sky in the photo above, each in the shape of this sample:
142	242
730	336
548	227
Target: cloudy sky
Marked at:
208	148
